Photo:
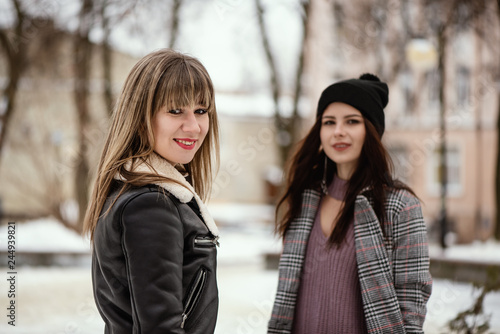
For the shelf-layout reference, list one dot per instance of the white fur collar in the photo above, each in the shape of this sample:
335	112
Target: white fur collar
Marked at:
184	192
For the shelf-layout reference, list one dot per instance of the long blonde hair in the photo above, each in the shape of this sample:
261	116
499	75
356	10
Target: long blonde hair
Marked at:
162	78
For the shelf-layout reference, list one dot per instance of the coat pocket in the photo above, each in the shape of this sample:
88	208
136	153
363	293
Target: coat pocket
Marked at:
206	241
194	294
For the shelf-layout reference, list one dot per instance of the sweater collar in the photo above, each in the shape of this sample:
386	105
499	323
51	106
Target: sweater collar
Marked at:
338	188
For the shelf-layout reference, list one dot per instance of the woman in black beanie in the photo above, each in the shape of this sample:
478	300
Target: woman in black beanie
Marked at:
355	254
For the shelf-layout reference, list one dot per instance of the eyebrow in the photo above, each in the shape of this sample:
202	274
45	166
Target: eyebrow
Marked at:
347	116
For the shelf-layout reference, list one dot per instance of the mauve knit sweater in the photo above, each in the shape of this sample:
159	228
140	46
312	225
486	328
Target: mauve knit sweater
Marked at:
329	299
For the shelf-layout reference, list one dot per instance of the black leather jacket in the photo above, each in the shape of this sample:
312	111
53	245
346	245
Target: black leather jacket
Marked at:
153	265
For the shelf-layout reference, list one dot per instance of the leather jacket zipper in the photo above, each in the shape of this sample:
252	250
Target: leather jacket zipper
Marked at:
194	295
206	241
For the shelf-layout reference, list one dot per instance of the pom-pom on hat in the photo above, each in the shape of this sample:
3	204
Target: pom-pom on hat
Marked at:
367	94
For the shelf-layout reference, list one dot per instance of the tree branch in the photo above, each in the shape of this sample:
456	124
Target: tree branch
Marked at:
174	23
275	86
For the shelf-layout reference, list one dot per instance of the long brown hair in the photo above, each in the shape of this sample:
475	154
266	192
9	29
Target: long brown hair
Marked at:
162	78
306	169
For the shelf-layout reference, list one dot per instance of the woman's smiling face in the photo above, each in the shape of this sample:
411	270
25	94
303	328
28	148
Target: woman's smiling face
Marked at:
342	136
179	133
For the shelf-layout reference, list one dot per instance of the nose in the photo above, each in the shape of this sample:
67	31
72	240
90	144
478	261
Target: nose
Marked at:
339	129
190	123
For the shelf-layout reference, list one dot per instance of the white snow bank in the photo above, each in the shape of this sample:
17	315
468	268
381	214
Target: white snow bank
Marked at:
246	233
487	251
44	235
242	215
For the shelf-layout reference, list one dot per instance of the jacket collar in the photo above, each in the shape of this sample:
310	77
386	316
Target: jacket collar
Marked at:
180	188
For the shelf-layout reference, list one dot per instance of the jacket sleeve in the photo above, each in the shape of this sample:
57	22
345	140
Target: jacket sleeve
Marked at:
412	279
152	241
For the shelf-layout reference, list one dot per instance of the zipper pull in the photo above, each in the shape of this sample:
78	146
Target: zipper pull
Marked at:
184	317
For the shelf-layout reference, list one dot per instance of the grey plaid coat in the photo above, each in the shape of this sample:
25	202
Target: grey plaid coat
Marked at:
393	271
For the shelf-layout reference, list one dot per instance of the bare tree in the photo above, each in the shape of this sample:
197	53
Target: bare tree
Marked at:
299	74
287	127
82	49
106	54
368	30
15	45
446	18
497	175
174	22
109	19
33	174
110	13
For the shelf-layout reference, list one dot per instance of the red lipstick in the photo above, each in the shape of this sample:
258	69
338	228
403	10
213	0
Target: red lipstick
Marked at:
186	143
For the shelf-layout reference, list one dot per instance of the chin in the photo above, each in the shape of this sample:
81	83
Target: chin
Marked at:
185	160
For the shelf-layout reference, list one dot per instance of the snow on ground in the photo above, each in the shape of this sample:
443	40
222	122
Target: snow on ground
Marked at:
44	235
59	299
487	251
238	220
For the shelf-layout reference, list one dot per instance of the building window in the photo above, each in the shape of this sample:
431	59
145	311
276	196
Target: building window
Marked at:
463	87
454	172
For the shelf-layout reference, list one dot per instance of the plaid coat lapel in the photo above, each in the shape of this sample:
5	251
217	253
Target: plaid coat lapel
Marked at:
380	303
291	262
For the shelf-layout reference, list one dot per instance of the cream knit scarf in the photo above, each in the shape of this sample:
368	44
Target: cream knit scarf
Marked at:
184	192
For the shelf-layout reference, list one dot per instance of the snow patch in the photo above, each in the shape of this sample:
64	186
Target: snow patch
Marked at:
45	235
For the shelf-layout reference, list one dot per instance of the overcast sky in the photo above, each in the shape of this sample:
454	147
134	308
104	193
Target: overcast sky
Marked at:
223	34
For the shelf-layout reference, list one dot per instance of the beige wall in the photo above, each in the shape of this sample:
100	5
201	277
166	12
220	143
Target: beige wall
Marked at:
40	153
248	153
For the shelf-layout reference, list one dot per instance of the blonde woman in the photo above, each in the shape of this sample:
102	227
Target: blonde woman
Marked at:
154	242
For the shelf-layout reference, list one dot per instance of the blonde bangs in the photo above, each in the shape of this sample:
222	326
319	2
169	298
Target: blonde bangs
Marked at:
185	84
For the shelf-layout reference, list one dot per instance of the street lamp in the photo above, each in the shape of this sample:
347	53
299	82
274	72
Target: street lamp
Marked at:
422	56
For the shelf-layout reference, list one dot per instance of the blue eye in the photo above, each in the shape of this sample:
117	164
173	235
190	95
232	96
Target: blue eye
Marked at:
174	111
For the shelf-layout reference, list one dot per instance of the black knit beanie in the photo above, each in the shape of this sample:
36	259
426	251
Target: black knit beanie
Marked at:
367	94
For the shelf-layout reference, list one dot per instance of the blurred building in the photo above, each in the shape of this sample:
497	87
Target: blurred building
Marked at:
38	162
373	43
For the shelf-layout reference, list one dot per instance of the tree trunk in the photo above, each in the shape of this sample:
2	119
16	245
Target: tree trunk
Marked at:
293	128
497	175
106	62
82	54
274	81
15	49
15	68
109	18
443	171
174	23
287	128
